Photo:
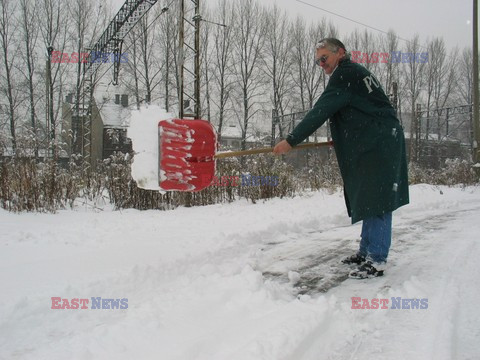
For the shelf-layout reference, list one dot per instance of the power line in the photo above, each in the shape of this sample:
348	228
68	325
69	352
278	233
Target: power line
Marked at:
98	78
164	10
356	22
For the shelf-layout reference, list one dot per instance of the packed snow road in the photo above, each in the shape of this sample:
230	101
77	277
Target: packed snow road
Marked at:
240	281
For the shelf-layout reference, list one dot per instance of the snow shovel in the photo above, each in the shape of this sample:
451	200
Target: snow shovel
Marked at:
187	153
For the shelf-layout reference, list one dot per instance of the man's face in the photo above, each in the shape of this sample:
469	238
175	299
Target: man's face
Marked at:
328	60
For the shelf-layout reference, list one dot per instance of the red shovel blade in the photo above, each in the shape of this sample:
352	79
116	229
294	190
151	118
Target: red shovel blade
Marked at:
186	154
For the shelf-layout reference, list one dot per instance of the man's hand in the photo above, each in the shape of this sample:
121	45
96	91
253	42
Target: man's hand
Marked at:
282	148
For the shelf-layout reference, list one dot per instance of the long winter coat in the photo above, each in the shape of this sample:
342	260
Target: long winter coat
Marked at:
368	140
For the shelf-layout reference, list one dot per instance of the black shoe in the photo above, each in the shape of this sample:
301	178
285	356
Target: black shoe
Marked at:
365	271
354	259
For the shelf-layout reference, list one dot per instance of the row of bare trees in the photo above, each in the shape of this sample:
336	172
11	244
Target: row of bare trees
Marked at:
255	58
31	88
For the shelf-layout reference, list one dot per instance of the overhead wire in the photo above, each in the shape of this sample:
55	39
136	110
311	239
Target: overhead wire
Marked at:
356	22
128	47
148	26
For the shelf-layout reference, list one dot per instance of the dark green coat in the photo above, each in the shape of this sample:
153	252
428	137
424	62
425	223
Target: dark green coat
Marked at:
368	140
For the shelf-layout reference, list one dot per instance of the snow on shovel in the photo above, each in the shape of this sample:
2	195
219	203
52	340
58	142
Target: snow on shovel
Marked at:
187	153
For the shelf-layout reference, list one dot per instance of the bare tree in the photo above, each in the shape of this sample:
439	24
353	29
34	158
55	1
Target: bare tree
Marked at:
133	65
353	40
7	85
30	36
300	54
370	47
430	79
221	62
277	59
168	27
206	56
248	46
152	63
306	76
366	49
465	87
444	76
389	44
414	82
146	62
465	79
88	18
54	30
440	79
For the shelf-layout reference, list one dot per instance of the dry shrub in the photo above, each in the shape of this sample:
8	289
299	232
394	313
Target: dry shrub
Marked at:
27	184
454	172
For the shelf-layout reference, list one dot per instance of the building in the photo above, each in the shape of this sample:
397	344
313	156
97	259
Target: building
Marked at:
231	138
108	127
115	119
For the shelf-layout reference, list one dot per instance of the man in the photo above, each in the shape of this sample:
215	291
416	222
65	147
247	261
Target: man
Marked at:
370	148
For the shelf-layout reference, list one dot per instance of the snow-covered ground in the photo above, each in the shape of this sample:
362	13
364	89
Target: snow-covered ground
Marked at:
217	282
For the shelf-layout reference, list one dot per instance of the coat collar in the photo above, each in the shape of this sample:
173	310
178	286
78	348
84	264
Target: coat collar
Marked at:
340	63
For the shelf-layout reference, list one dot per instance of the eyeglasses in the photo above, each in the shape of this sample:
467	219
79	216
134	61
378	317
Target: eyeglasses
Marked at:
321	59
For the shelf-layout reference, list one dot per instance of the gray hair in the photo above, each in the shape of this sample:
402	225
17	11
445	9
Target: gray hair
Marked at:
333	45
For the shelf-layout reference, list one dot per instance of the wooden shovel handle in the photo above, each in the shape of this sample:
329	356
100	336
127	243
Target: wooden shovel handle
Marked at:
268	150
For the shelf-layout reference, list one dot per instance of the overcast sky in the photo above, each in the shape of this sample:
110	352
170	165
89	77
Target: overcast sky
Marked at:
450	19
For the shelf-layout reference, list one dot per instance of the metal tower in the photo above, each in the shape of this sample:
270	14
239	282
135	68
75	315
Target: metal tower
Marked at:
109	43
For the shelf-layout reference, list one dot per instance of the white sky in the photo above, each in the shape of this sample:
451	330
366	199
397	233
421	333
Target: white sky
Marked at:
428	18
450	19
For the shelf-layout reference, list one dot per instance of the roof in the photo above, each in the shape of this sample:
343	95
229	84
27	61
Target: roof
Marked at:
235	132
232	131
114	115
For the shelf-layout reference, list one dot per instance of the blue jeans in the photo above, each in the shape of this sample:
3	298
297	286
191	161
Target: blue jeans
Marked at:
376	237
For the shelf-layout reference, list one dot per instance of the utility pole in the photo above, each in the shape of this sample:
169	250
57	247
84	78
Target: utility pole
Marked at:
189	60
476	120
50	114
167	67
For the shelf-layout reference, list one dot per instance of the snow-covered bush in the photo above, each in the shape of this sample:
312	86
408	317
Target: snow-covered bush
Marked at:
454	172
28	184
320	173
457	171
